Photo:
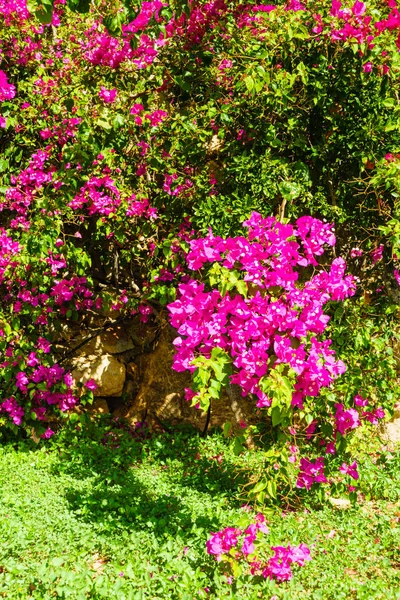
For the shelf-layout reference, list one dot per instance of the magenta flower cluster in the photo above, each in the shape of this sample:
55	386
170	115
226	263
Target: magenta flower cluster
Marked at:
310	472
241	545
7	92
275	320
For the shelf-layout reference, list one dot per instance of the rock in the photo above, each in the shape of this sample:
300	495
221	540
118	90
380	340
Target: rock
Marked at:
341	503
160	390
130	390
99	407
114	340
132	370
141	385
69	331
108	372
215	145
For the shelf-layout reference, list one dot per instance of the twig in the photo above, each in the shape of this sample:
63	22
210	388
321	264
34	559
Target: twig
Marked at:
204	432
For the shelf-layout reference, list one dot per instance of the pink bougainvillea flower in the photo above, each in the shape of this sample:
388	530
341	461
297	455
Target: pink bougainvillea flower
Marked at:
7	91
222	542
108	96
136	109
15	411
91	385
311	472
360	401
358	8
376	254
356	252
43	345
47	434
374	416
330	448
350	470
367	67
346	419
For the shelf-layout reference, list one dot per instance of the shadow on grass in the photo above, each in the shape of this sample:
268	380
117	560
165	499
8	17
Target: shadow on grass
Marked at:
121	477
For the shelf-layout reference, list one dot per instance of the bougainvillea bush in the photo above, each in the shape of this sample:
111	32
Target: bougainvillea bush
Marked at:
128	130
256	319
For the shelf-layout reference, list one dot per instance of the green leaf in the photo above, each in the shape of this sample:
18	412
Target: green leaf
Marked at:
57	562
227	429
290	190
182	83
118	121
261	485
114	23
80	6
4	164
309	419
249	81
238	447
271	488
276	416
43	9
104	124
69	104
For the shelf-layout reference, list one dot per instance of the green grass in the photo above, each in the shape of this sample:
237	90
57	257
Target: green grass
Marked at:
91	515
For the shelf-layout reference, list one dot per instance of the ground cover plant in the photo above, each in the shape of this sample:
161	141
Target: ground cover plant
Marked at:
116	515
236	167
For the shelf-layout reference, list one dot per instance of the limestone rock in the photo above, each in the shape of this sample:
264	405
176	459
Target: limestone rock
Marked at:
392	431
69	331
106	370
114	340
160	390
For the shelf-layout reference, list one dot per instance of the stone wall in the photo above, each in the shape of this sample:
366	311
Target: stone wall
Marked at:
131	362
